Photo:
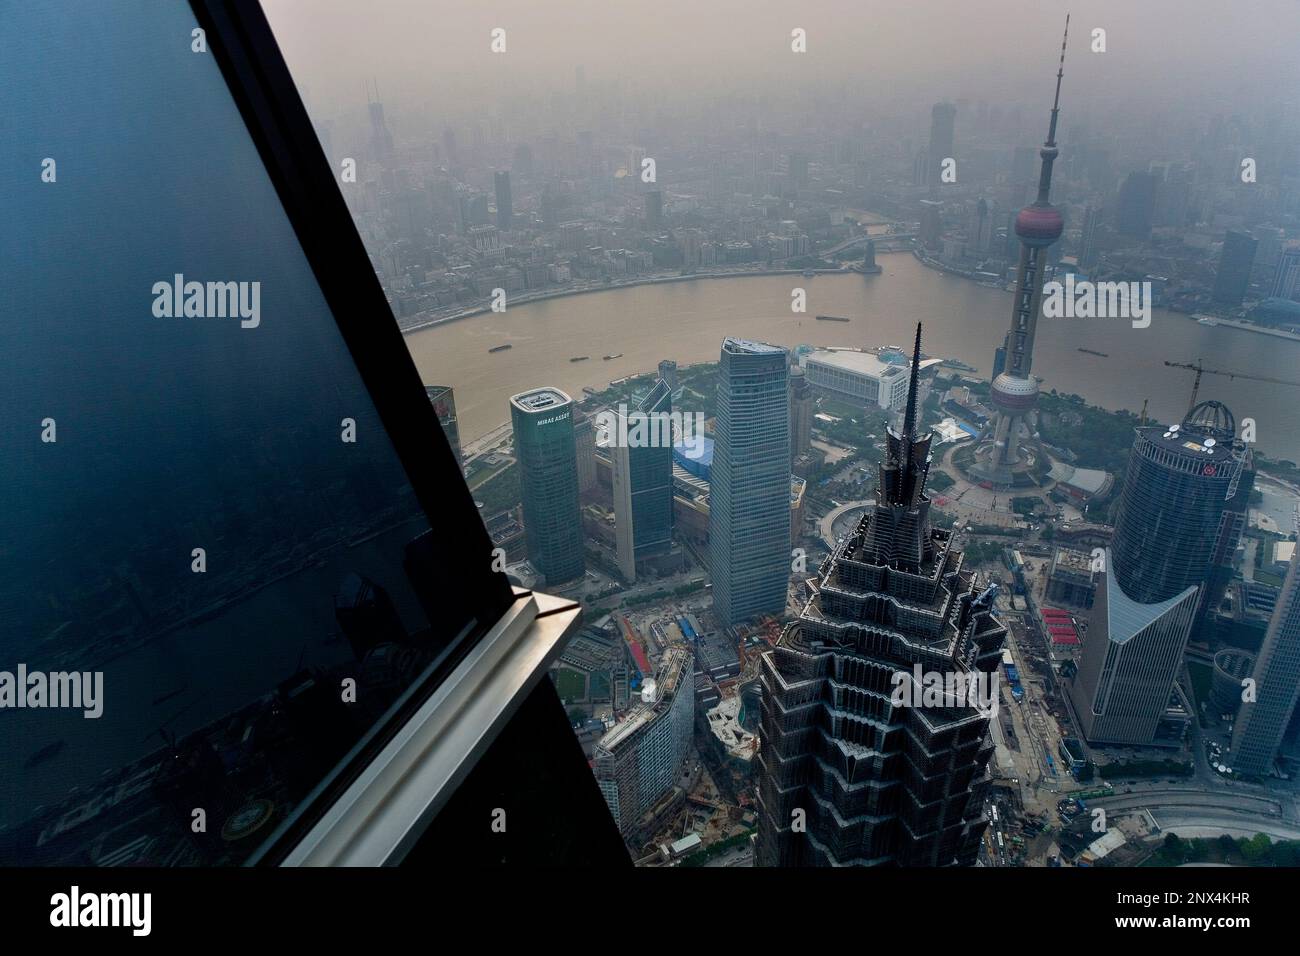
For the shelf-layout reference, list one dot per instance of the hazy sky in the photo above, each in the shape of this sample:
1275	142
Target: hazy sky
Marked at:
1215	54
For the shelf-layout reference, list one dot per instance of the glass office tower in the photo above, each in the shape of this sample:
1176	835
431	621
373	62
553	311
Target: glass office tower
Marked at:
641	459
443	400
1262	722
548	475
1175	489
749	504
1177	485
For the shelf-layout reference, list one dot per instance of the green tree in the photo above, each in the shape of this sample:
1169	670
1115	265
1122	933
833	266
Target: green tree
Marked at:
1227	846
1257	848
1286	853
1174	849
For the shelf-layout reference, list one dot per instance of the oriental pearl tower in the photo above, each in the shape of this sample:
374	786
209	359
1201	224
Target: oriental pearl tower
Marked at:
1008	460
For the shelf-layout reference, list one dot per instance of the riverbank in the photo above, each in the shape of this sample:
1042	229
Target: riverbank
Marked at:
528	298
686	321
1253	327
936	266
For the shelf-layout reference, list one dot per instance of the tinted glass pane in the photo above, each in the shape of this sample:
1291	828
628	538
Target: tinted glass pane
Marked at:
206	548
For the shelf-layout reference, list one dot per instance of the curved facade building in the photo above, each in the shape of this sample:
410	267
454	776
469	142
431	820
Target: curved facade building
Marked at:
1177	483
639	760
1231	666
1176	487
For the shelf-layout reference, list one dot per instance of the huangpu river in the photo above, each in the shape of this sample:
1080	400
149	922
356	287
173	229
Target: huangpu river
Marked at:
687	321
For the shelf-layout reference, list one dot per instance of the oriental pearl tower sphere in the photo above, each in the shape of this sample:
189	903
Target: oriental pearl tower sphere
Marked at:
1015	391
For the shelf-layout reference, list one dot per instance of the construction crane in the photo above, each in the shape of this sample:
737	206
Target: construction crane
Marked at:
1200	370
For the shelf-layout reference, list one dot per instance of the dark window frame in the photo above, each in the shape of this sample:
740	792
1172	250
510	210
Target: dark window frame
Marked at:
240	39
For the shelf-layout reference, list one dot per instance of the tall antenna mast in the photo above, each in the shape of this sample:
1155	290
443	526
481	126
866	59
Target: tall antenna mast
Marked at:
1060	73
909	422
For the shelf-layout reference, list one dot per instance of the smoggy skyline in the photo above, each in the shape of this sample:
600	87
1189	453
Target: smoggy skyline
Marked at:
891	58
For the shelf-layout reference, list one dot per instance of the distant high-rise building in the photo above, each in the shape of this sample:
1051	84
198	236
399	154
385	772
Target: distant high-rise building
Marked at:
942	119
931	228
1014	393
449	148
473	212
668	372
801	412
798	169
443	400
381	141
1088	251
654	209
1232	525
749	502
1265	714
851	773
869	266
1176	485
552	206
1286	280
523	161
584	437
1235	264
505	206
548	478
981	227
919	167
1173	195
1270	240
641	460
1135	210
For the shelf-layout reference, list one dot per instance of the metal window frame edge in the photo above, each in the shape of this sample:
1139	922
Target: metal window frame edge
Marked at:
377	820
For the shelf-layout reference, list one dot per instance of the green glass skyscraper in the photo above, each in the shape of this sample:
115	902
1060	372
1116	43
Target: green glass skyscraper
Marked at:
548	477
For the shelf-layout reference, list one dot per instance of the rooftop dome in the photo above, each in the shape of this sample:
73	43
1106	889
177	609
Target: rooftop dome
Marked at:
1212	419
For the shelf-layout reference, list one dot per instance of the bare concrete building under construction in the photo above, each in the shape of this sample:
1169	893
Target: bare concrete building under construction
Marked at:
639	761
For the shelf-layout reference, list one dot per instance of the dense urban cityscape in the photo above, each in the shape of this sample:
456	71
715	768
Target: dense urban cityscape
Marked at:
909	435
1119	577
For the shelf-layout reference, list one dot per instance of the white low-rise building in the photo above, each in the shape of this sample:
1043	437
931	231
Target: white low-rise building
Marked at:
859	377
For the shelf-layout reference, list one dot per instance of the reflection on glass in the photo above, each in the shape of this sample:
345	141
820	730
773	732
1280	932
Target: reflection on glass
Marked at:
206	528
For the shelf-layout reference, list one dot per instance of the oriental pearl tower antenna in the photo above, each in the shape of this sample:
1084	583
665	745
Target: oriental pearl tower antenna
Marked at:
1007	459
